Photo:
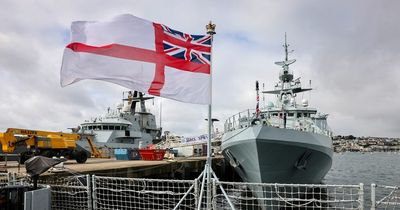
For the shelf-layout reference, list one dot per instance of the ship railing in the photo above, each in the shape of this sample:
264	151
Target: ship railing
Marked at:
139	193
3	179
389	197
99	192
11	178
310	126
143	193
248	118
71	192
292	196
240	120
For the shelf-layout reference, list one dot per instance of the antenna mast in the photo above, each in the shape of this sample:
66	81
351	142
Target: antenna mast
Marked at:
286	49
257	101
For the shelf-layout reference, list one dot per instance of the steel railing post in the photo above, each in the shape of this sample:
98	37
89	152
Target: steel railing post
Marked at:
373	196
94	192
361	196
248	118
214	194
88	191
196	191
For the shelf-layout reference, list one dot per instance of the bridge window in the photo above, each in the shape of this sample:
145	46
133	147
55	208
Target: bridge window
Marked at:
105	127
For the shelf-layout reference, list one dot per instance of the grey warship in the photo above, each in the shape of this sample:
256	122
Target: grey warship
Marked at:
130	125
284	142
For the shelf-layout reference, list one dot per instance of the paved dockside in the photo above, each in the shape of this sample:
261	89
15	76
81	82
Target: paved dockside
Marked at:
185	166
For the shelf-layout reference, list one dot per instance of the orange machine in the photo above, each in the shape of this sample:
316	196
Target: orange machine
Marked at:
45	143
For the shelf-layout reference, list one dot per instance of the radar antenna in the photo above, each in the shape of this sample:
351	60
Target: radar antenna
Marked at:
285	64
286	46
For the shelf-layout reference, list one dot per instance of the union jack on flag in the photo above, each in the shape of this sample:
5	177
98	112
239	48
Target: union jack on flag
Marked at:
193	48
140	55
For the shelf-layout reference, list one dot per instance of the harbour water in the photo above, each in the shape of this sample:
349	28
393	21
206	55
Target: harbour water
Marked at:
381	168
352	168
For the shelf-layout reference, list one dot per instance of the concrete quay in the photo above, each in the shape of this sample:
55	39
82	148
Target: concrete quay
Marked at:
179	168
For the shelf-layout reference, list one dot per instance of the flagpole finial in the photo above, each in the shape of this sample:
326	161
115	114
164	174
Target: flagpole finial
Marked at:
210	28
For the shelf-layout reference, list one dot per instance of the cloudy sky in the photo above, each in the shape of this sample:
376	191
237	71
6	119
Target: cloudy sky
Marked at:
349	49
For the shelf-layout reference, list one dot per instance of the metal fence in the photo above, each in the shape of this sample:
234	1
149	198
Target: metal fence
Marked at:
8	179
385	197
291	196
3	179
98	192
70	193
137	193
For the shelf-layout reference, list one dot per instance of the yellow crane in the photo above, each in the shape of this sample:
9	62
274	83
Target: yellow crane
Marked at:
45	143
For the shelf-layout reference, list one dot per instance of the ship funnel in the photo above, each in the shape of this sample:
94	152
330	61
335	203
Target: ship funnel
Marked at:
133	103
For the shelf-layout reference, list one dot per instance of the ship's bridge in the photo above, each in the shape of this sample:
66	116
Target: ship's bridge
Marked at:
302	119
106	124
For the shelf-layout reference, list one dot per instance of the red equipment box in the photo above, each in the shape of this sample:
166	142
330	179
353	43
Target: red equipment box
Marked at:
152	154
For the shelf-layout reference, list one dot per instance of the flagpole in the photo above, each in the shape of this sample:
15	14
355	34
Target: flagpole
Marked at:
210	31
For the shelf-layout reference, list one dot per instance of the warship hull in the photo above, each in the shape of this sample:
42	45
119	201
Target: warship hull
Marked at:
265	154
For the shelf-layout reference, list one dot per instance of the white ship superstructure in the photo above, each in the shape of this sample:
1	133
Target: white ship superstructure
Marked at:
128	126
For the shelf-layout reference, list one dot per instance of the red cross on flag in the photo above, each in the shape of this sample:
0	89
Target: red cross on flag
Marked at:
140	55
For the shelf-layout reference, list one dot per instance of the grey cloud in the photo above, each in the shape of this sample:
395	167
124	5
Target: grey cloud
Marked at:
349	49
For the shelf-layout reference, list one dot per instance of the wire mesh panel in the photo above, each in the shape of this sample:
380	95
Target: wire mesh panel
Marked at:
7	179
385	197
205	195
70	193
290	196
3	179
137	193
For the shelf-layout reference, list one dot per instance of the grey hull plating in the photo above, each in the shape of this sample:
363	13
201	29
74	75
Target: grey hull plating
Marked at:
266	154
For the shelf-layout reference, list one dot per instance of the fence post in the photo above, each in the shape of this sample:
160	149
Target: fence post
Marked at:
88	191
214	194
94	192
9	178
248	118
373	197
361	196
196	191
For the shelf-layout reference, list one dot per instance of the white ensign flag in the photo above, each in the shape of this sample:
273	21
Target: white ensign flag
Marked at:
140	55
